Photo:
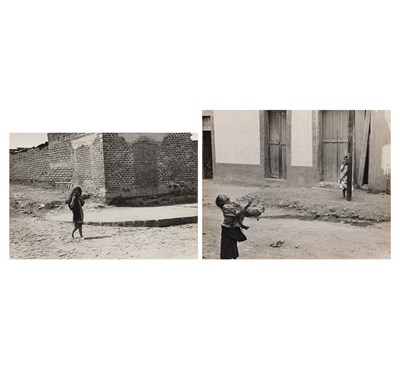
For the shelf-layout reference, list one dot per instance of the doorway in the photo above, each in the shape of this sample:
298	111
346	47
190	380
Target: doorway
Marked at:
363	171
334	135
207	148
275	144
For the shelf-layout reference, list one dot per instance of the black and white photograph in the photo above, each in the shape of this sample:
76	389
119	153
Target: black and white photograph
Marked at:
276	184
199	196
103	196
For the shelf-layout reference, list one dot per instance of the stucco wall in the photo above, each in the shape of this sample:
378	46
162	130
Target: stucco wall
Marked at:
233	163
237	136
303	169
380	163
252	175
301	138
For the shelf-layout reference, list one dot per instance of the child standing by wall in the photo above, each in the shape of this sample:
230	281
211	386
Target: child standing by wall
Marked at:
76	202
343	176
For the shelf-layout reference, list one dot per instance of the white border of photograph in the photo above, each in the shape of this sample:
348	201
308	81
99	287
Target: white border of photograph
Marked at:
277	325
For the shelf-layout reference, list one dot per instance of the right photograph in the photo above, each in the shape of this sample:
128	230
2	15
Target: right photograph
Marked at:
296	184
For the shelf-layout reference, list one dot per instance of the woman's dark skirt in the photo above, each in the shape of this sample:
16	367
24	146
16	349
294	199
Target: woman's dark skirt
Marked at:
229	239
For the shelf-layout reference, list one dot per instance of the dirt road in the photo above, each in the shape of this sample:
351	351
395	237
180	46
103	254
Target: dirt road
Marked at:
34	237
302	239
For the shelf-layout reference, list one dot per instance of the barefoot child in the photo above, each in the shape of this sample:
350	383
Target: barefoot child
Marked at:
232	226
75	202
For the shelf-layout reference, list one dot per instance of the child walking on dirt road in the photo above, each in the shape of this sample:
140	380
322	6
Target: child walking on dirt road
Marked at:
75	203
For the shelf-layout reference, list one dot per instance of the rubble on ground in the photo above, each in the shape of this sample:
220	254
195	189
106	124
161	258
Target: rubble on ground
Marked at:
325	204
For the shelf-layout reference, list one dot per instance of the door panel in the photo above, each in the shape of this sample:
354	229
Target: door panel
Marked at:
283	161
335	125
277	143
274	160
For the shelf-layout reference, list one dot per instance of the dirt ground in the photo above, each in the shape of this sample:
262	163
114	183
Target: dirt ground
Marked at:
312	223
32	236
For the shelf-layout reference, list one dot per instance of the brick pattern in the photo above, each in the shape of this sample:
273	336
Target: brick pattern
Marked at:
118	164
107	166
146	167
145	172
177	163
88	165
97	166
31	166
130	167
53	137
60	153
78	159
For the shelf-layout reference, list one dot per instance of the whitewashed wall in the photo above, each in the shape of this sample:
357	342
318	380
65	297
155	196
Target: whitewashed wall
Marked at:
301	145
237	136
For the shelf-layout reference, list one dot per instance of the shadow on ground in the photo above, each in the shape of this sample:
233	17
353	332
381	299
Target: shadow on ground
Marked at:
98	237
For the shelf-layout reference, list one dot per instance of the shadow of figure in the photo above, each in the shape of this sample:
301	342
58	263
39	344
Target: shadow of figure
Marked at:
98	237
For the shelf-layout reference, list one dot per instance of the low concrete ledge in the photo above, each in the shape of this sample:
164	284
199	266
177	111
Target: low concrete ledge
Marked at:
149	223
133	216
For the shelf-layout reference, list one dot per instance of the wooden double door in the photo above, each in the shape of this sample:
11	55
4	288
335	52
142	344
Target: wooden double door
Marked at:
334	136
275	144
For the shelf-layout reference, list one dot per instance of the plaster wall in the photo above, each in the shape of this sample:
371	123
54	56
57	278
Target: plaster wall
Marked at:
237	137
301	138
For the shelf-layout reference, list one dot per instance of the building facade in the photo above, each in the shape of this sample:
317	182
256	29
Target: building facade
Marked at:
296	147
113	167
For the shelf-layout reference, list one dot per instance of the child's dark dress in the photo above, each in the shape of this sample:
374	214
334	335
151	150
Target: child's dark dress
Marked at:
77	210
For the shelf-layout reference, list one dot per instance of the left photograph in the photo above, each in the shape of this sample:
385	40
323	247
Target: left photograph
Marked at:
103	195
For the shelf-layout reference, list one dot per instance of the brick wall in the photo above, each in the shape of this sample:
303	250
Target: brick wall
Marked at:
76	159
53	137
69	160
130	166
60	157
177	163
31	166
111	165
150	165
118	166
145	173
88	163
